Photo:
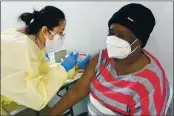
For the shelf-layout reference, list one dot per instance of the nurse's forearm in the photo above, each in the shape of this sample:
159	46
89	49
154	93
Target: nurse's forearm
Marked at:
71	97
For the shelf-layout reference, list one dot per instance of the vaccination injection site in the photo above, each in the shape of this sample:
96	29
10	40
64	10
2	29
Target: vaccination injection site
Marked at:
87	58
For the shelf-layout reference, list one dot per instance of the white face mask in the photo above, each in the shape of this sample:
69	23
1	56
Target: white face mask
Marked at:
54	45
118	48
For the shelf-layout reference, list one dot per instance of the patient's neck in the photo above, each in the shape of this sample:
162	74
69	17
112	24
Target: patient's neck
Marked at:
132	58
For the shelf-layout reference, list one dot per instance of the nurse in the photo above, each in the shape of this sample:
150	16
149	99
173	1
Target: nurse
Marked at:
26	76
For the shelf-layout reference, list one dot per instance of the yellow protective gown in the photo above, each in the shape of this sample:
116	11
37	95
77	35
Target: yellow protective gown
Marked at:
26	77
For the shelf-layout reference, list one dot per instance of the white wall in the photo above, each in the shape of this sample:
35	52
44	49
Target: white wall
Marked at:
87	25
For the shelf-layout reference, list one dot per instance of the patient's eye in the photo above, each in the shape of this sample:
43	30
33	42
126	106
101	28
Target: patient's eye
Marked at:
120	35
111	32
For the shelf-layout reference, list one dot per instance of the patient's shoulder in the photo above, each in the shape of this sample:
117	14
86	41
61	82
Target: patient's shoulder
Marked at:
89	72
93	62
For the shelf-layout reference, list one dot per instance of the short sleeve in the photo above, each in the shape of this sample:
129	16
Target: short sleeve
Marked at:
99	60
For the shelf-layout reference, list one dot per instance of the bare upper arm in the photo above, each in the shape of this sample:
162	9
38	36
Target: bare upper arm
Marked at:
89	73
77	91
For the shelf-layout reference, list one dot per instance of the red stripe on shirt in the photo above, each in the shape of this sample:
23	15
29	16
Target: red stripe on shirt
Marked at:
164	77
136	86
141	91
117	96
108	105
163	74
154	80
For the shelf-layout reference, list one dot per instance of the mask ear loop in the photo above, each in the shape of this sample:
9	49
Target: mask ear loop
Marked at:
52	33
64	33
134	41
135	48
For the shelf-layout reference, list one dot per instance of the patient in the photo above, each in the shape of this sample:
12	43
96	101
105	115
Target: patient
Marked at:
123	79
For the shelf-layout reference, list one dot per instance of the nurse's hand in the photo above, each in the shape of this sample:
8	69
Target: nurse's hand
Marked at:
46	55
70	61
82	64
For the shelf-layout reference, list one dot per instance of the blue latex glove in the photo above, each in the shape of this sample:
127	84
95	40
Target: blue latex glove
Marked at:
47	56
82	64
70	61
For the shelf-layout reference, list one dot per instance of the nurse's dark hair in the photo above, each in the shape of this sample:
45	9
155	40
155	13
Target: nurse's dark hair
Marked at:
49	16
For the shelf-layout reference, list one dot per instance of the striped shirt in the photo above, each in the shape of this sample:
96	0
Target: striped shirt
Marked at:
141	93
